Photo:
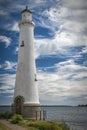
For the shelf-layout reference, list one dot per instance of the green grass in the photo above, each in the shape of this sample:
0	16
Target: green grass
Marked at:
31	124
27	127
44	125
4	127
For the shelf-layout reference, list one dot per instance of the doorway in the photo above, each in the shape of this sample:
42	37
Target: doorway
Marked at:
19	101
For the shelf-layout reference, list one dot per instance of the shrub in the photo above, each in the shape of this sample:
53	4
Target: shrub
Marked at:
16	119
1	115
5	115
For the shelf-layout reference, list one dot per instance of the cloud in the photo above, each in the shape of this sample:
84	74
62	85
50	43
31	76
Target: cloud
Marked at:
5	40
62	44
3	13
79	4
76	71
7	80
16	50
7	83
85	63
84	50
69	80
15	27
8	66
66	26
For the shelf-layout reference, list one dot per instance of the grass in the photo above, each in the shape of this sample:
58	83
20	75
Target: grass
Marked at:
27	127
4	127
49	125
44	125
31	124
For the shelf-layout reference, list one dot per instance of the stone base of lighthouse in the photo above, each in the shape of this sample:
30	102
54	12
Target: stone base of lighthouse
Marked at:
31	111
28	110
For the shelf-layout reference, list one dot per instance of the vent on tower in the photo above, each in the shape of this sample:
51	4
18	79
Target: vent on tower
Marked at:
22	44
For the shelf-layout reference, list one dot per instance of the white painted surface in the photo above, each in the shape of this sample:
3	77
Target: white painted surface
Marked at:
25	84
27	16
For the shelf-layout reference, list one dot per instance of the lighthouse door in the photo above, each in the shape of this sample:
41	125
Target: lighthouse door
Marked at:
19	104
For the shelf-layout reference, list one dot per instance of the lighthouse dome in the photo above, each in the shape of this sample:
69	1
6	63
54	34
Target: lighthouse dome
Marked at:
26	14
26	10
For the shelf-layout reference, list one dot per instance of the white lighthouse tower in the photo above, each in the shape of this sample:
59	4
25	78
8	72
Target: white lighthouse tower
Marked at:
26	98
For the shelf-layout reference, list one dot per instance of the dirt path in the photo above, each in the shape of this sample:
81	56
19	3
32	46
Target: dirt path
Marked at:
12	126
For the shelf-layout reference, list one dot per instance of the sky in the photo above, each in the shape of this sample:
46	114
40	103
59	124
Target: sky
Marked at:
60	41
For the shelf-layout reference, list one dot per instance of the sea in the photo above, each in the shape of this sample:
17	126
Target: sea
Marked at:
74	116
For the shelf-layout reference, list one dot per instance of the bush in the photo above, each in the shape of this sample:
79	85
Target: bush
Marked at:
1	115
5	115
16	119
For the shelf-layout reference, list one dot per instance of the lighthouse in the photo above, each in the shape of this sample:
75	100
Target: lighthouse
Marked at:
26	97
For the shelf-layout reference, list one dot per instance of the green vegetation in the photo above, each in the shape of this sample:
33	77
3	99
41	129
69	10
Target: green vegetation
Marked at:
31	124
48	125
16	119
5	115
4	127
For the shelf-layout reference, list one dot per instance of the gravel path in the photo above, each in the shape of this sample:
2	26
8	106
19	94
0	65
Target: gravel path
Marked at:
12	126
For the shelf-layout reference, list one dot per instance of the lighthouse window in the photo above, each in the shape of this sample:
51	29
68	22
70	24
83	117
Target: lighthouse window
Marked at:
35	78
22	44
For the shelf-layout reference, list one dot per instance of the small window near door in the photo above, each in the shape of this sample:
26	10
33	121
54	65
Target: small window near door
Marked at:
22	44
